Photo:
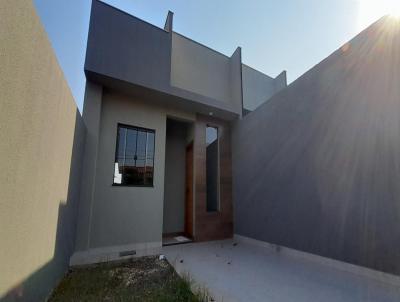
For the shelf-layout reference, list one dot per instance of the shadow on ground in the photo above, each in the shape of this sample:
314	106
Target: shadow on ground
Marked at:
40	283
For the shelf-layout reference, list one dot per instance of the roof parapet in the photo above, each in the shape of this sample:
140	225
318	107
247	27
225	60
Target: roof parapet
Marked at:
169	22
282	77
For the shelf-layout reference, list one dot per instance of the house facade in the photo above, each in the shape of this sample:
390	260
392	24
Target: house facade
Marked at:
158	110
178	139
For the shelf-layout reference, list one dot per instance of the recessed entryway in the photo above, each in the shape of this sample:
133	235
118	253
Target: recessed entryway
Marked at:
178	184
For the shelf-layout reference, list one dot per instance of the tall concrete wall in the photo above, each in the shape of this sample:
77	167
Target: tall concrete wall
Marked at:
317	168
41	136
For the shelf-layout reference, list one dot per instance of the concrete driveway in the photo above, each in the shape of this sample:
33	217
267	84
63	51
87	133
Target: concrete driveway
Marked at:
243	271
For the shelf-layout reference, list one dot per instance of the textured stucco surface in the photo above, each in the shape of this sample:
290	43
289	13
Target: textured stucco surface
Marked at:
40	135
317	168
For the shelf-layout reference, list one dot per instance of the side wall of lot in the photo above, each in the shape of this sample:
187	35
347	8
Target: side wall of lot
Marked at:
41	138
317	168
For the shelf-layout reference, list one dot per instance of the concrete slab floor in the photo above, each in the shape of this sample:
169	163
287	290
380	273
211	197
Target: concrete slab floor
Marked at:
247	272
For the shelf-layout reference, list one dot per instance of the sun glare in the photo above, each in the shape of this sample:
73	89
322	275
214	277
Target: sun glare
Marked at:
372	10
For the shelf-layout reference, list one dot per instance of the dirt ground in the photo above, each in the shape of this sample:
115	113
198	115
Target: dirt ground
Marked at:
139	279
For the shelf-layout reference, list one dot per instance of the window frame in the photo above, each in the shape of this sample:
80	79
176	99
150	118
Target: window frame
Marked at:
218	209
116	154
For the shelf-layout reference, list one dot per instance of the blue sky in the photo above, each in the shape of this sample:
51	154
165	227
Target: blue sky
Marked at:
275	35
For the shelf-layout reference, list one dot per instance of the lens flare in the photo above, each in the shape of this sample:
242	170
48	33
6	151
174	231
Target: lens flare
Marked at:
371	10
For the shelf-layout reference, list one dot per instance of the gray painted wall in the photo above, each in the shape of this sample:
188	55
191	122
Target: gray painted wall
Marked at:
136	54
125	215
174	187
131	49
204	71
317	168
41	139
91	117
200	69
118	216
258	87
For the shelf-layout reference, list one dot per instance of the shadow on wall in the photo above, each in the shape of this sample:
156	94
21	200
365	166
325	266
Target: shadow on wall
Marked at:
39	284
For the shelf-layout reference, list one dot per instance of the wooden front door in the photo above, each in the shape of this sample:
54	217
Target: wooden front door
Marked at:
189	191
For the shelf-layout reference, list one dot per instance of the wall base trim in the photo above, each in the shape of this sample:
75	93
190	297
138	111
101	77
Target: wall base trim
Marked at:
112	253
340	265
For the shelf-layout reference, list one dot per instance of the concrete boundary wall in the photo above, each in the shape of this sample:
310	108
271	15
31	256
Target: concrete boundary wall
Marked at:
41	139
317	167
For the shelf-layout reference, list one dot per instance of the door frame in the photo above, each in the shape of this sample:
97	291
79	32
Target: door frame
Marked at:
189	190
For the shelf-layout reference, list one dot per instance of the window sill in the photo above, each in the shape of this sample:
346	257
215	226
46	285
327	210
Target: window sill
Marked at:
136	186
